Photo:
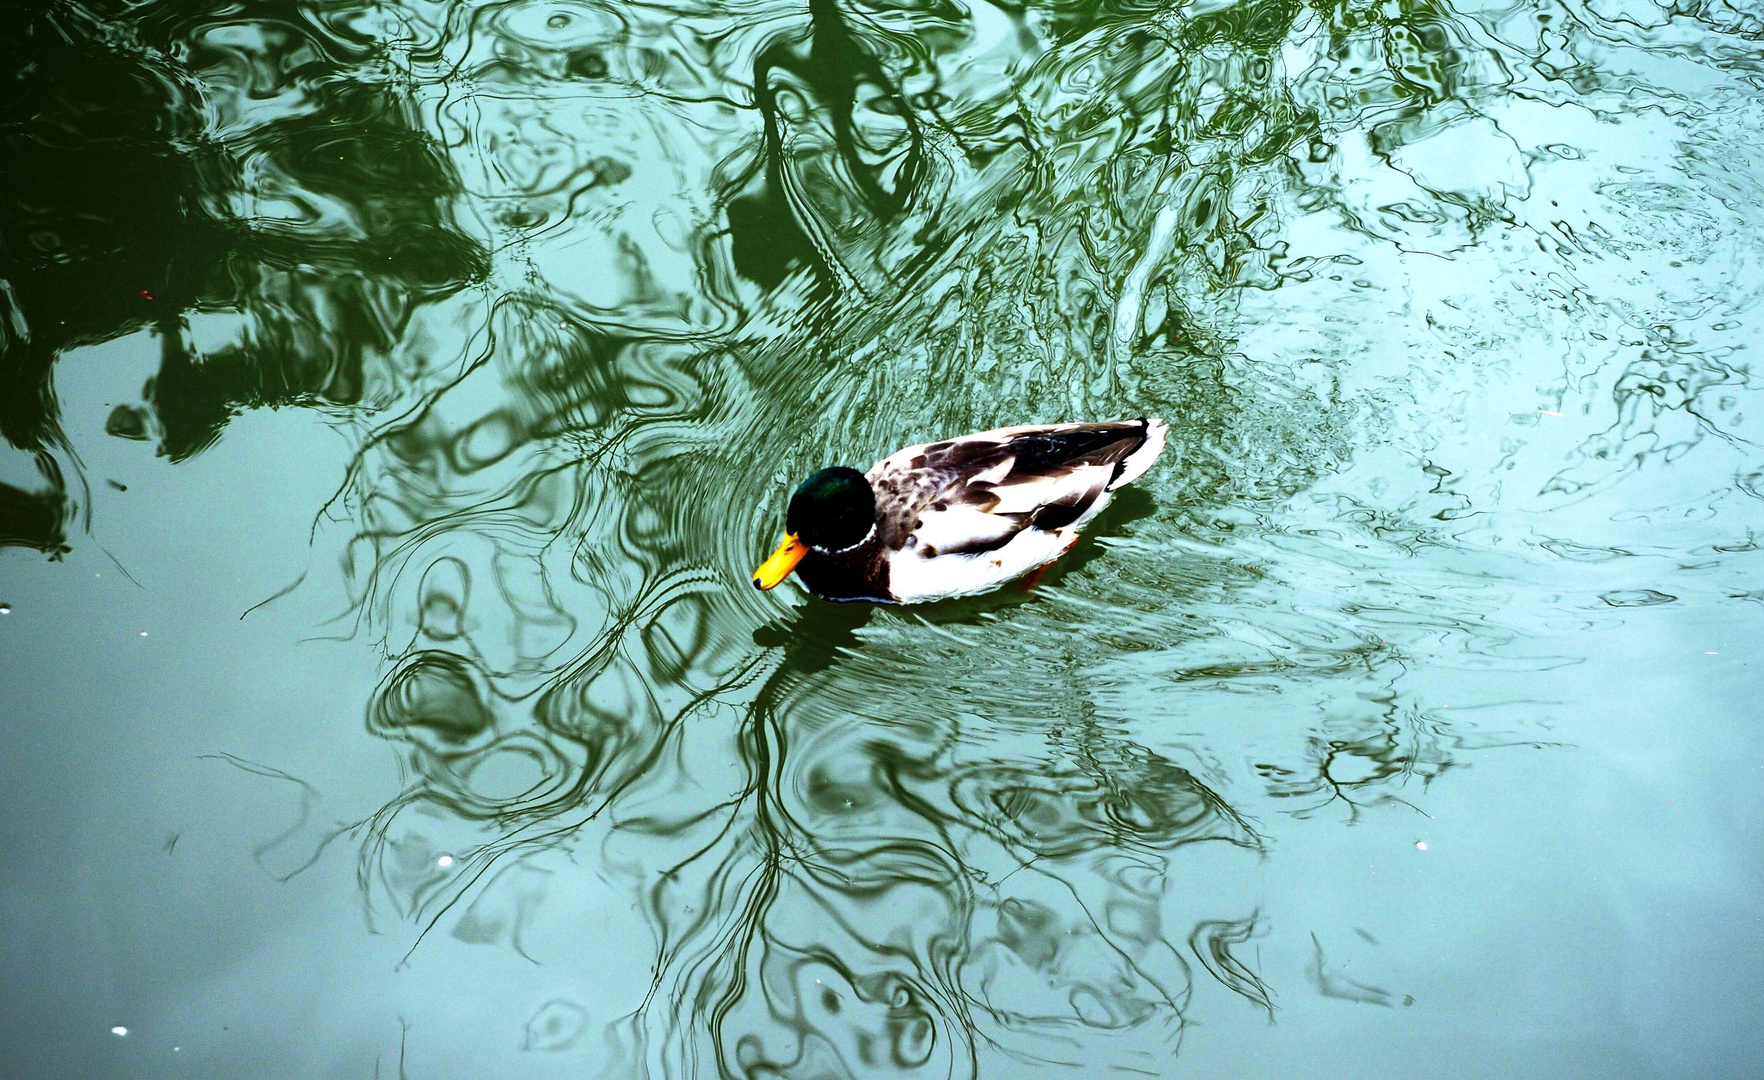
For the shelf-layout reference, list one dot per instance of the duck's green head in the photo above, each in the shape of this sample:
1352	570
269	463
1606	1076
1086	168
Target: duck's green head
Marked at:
832	510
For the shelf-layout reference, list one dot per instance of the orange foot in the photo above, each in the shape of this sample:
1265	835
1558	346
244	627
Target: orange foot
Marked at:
1034	577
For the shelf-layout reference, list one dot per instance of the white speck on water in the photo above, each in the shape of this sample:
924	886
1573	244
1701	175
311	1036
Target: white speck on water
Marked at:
119	1031
143	633
5	609
1710	652
1420	845
444	861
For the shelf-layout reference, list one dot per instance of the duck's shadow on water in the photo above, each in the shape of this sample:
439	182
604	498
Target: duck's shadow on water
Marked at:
815	633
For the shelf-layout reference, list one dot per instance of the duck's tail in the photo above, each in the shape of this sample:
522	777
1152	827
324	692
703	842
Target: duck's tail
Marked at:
1133	466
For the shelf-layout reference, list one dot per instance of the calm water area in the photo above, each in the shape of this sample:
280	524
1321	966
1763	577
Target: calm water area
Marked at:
396	396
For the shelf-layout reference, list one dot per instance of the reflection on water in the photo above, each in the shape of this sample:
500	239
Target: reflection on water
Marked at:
1433	296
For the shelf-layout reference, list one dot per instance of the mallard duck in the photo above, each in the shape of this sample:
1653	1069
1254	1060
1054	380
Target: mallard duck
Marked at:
957	517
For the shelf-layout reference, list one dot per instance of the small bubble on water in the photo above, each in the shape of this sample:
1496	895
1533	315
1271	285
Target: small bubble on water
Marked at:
119	1031
558	21
5	609
143	633
1420	845
444	861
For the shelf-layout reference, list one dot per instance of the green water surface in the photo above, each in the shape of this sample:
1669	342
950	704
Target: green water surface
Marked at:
396	396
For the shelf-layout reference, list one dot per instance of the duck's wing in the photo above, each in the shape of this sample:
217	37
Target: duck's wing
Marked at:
974	494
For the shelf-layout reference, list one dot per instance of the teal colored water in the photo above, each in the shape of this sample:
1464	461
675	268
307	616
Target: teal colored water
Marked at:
396	397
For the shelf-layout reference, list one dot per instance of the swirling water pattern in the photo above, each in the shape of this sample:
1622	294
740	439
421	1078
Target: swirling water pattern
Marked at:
1448	306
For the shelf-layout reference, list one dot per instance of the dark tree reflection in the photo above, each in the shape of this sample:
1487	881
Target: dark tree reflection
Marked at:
122	211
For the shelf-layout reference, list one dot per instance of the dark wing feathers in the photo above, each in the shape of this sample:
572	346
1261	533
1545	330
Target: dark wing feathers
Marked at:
1059	515
1034	451
1046	451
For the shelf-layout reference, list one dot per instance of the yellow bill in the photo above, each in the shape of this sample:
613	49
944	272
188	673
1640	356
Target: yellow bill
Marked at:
778	567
